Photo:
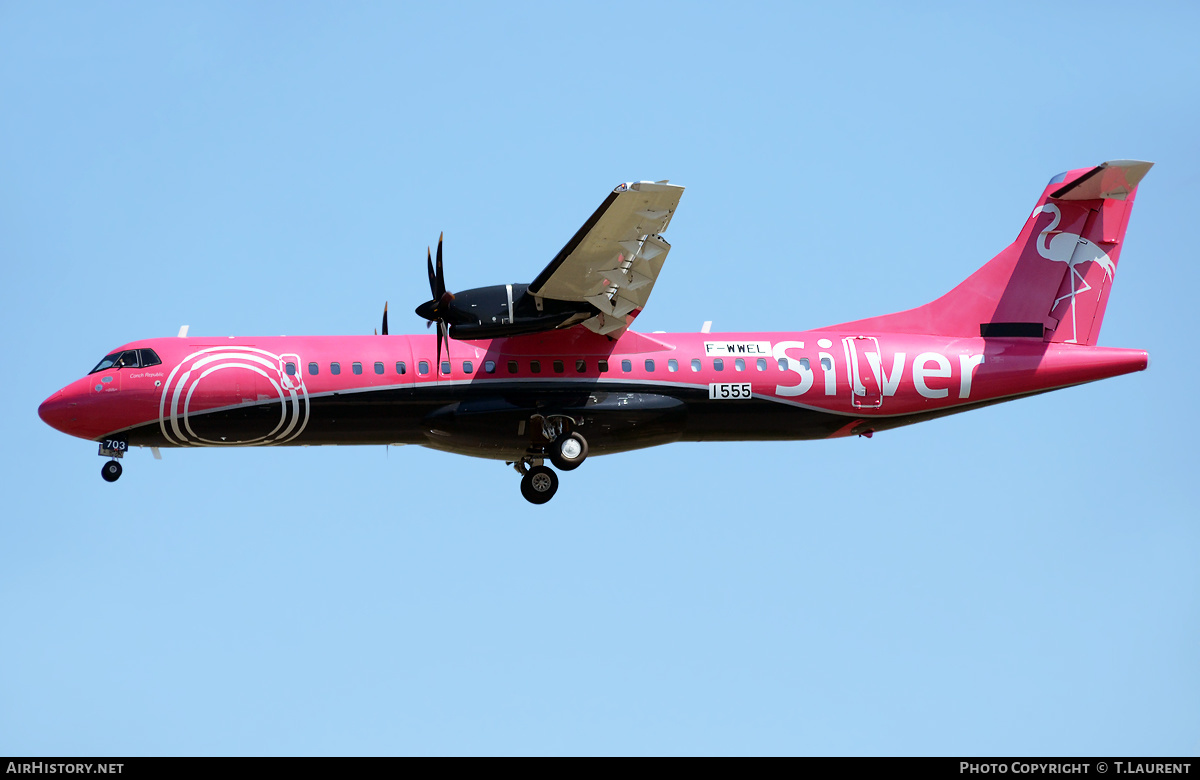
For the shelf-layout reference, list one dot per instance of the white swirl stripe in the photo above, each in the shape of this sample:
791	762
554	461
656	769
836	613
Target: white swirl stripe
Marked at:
175	406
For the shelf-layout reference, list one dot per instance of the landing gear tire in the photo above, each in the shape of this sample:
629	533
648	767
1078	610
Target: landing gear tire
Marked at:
569	451
111	471
539	485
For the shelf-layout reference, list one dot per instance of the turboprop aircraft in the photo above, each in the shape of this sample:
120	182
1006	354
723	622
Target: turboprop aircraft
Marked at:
552	370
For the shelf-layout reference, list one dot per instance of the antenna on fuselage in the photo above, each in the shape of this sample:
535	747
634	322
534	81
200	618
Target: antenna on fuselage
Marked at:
182	332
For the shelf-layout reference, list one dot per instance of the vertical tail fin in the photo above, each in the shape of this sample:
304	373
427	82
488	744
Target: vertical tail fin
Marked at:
1053	282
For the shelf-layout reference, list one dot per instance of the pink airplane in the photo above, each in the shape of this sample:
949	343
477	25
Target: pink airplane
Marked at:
552	371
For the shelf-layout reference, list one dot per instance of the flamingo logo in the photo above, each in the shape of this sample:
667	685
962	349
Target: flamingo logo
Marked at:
1076	251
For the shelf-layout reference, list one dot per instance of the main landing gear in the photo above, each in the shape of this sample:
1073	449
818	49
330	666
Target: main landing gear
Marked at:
538	483
568	451
565	448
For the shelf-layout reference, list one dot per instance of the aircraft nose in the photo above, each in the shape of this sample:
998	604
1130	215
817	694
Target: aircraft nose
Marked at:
55	412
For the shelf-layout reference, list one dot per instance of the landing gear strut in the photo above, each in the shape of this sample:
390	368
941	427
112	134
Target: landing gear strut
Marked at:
111	471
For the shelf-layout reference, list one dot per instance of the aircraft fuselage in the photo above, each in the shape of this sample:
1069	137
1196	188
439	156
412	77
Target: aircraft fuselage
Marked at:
488	398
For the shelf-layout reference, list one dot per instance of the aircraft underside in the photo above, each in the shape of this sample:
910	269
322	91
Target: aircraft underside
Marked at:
500	423
518	422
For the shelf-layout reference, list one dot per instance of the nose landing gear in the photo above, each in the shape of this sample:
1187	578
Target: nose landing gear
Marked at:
111	471
112	448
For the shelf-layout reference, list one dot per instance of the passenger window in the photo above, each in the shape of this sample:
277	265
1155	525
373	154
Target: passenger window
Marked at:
313	369
672	365
649	364
719	364
580	366
603	366
379	368
826	364
695	364
783	364
290	368
401	368
489	366
626	366
356	367
512	366
423	368
149	358
739	364
468	367
446	368
761	364
804	362
535	366
335	368
558	367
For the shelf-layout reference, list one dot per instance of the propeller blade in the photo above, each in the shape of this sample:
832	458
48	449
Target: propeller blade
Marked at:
441	276
446	336
439	310
433	293
385	318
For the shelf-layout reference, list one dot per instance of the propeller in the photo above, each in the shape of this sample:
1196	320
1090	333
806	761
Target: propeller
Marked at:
438	310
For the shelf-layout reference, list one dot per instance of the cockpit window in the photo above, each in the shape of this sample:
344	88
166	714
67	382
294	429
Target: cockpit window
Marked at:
126	359
149	358
106	363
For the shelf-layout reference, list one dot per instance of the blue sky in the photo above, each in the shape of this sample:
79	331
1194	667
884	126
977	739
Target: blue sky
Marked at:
1018	580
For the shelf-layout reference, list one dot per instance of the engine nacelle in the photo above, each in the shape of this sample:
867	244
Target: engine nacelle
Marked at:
509	310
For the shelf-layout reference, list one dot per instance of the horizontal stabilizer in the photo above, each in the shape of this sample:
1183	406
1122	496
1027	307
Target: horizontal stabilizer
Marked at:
1111	180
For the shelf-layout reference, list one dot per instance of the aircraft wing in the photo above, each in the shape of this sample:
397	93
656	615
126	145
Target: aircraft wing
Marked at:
613	261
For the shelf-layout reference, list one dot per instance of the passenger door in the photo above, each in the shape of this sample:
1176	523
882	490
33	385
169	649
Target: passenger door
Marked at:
864	384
